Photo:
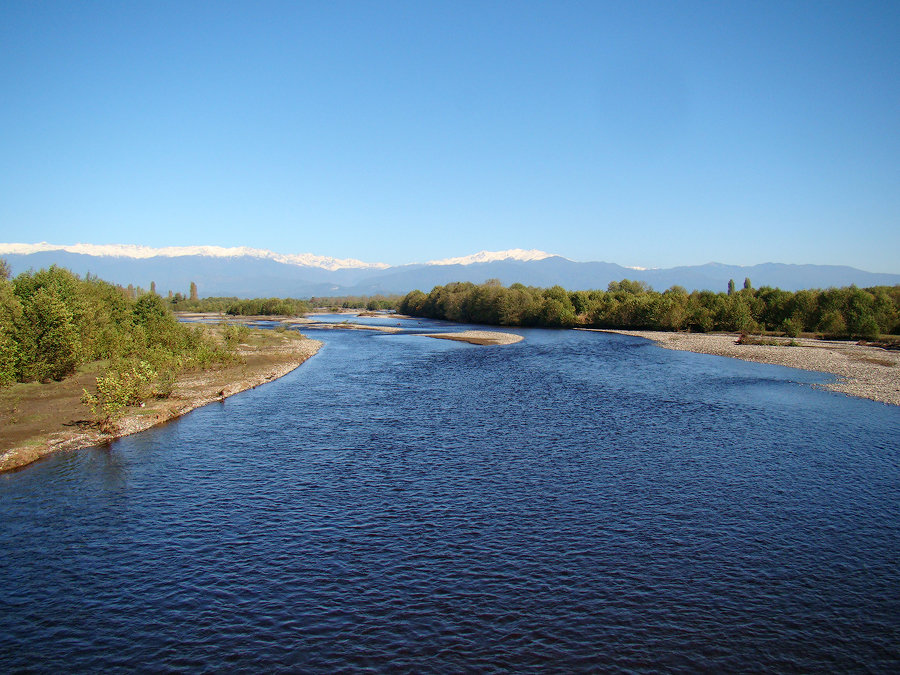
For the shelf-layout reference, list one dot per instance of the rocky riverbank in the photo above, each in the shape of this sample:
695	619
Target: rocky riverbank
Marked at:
864	371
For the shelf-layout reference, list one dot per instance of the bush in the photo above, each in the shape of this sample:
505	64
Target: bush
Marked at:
51	337
233	334
118	389
9	358
792	327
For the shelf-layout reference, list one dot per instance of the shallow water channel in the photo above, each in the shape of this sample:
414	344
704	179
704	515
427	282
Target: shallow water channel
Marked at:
575	501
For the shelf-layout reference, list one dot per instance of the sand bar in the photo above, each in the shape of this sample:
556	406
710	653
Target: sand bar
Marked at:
288	321
352	326
479	337
865	372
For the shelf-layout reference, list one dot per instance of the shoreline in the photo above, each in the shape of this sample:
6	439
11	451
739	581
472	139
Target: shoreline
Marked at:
863	371
191	391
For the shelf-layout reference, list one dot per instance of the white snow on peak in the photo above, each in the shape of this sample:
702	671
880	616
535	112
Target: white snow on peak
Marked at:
494	256
134	251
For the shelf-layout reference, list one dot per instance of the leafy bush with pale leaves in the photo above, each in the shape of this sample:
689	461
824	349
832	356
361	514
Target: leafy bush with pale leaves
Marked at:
119	388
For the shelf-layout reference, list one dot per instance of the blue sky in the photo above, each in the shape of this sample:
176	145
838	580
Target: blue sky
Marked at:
642	133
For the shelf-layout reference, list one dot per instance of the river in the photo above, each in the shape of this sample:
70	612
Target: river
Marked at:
577	501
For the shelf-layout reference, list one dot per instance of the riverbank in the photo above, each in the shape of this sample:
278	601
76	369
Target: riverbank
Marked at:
864	372
40	419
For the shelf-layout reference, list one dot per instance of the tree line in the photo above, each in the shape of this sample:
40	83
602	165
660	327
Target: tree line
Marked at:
834	312
371	303
268	307
52	321
276	306
235	306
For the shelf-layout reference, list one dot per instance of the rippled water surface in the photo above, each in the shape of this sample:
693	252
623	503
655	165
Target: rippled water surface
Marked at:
576	501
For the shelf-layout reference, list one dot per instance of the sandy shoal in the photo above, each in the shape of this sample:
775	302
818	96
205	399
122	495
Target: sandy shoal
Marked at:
864	371
346	326
479	337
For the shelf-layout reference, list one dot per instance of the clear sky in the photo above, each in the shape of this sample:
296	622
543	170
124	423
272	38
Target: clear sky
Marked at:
642	133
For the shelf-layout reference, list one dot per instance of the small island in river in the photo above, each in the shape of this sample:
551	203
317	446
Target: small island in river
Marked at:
479	337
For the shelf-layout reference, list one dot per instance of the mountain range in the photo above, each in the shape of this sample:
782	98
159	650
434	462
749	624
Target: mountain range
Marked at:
249	272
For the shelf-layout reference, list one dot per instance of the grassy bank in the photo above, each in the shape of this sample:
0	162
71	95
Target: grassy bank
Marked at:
41	418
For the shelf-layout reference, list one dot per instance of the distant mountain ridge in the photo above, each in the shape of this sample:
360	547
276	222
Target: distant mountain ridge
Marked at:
143	252
249	272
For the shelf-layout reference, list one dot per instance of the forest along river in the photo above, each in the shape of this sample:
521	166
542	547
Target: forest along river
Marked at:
576	501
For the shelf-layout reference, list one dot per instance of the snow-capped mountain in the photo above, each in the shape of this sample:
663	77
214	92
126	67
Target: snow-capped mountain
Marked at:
251	272
494	256
302	259
144	252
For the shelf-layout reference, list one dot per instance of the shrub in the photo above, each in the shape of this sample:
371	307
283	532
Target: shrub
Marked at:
233	334
117	389
53	337
9	358
792	327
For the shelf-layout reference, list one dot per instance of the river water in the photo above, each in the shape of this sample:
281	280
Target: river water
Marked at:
574	502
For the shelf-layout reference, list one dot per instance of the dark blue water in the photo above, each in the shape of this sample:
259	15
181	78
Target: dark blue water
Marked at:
577	501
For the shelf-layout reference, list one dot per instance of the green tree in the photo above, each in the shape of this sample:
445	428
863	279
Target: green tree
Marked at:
193	291
10	320
738	315
149	309
775	307
792	327
483	305
629	286
803	306
703	308
832	324
731	287
859	314
52	342
556	314
515	306
413	303
581	301
886	313
671	309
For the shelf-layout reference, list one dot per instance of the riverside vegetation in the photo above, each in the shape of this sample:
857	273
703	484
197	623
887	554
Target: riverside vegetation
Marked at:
836	312
241	307
52	322
279	306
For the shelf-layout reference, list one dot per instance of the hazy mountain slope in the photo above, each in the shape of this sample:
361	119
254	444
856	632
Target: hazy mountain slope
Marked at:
545	272
242	276
597	275
254	276
715	276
